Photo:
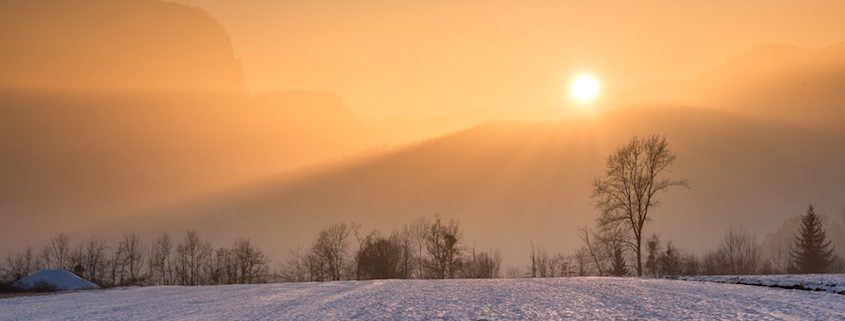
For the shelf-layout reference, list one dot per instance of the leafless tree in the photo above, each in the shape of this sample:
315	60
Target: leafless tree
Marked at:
582	259
160	261
115	263
331	249
251	265
95	262
417	232
595	252
77	260
741	251
738	253
404	238
780	251
20	265
296	268
192	256
443	248
628	190
544	264
547	265
690	265
223	268
483	265
514	273
57	253
133	254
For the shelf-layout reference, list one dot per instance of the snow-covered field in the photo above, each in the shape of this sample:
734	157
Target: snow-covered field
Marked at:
814	282
525	299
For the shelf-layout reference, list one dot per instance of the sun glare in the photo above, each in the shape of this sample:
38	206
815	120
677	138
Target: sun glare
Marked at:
584	88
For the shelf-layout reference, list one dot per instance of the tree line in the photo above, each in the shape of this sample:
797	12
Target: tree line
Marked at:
191	261
423	249
432	248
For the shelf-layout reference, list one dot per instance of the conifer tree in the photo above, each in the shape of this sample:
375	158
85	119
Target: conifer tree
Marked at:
618	267
812	252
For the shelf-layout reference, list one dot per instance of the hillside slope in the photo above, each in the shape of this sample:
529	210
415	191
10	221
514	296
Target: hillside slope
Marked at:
800	86
510	183
114	45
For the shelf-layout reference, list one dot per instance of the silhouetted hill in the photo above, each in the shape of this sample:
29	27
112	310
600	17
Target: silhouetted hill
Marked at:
513	182
773	81
113	45
72	159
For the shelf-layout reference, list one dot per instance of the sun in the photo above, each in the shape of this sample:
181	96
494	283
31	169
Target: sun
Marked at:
584	88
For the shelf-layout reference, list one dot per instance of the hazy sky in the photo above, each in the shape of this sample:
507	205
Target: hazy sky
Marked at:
422	58
759	137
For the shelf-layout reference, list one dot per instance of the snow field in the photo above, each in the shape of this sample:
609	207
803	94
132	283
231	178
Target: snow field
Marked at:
511	299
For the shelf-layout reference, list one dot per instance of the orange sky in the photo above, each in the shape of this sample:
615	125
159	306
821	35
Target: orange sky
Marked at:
75	157
424	58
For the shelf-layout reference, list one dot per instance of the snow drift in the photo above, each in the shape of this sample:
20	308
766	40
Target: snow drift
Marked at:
54	279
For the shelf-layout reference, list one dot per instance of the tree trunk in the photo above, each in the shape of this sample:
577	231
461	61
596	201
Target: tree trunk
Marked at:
639	256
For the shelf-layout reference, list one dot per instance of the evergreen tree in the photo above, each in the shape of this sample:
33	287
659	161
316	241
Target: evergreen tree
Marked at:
653	246
812	252
618	267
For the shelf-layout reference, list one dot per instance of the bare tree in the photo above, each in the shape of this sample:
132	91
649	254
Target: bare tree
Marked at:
780	257
223	267
582	260
95	261
251	265
160	262
77	260
404	238
20	265
533	256
483	265
442	245
417	232
739	253
132	249
629	188
116	266
296	268
192	256
592	249
690	265
331	249
57	253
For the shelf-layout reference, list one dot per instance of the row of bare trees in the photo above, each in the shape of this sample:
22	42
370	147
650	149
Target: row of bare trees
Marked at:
192	261
423	249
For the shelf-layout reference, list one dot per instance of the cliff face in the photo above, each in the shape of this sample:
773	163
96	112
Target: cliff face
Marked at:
113	45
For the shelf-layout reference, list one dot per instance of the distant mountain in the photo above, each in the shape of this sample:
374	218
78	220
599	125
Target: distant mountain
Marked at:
72	159
510	183
108	107
777	82
137	45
